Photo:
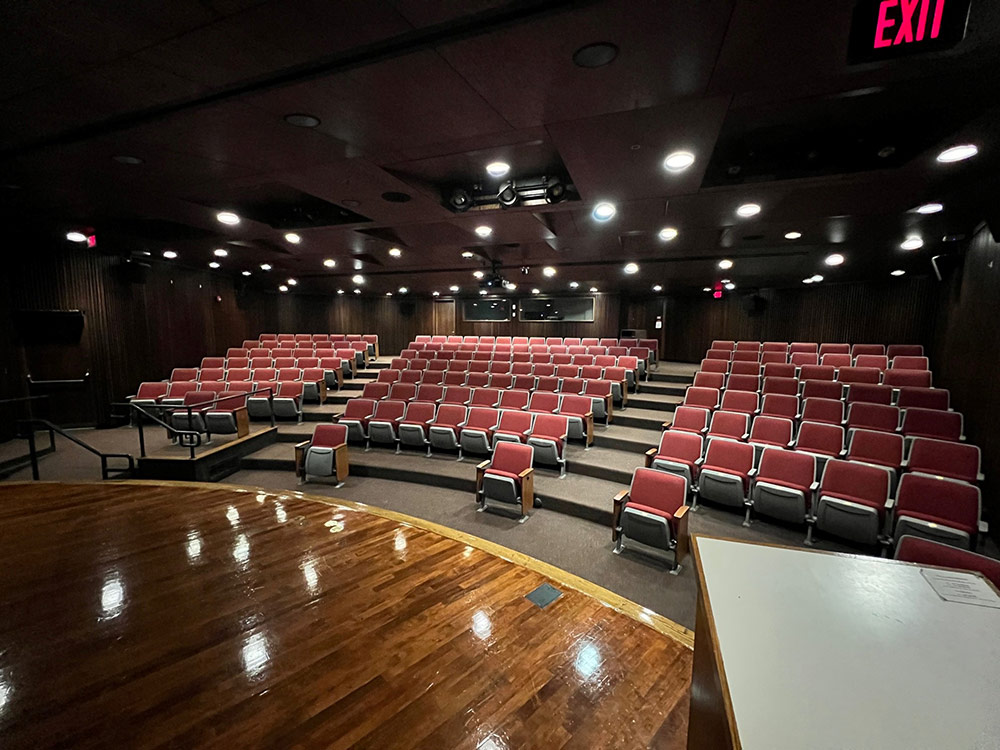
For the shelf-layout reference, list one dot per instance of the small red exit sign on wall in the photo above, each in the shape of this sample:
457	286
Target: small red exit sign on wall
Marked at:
886	29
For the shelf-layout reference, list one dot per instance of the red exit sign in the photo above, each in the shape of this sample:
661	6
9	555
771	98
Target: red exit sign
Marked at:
886	29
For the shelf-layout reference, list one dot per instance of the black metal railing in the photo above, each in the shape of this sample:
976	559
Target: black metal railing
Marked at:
30	425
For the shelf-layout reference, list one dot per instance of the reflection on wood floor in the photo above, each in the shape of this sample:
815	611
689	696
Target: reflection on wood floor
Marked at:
143	614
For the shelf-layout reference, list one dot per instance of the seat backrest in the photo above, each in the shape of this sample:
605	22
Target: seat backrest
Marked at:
785	386
215	386
389	410
825	349
229	401
744	402
240	386
590	341
706	398
237	362
867	349
456	394
501	380
485	397
605	360
772	430
483	418
746	356
798	469
194	398
780	405
451	414
870	375
151	390
817	437
823	410
479	365
180	374
429	392
211	362
375	390
775	346
358	408
835	360
561	359
543	370
926	552
550	426
575	405
398	363
869	394
544	401
729	424
945	458
724	355
872	417
289	373
822	389
817	372
879	361
729	454
683	445
514	399
658	489
690	418
743	383
514	420
745	368
709	380
264	373
773	358
856	480
597	387
432	377
282	362
801	359
905	362
329	435
512	458
924	398
290	388
874	447
778	370
305	362
567	371
402	391
913	378
500	368
723	344
475	380
942	425
571	385
548	383
211	373
388	376
748	346
592	372
720	366
904	350
583	360
954	503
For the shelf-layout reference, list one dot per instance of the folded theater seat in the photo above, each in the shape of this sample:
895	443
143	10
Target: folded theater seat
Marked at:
928	552
384	420
190	416
414	428
939	509
853	500
507	479
548	436
678	453
228	416
476	435
724	473
355	418
324	455
784	486
652	513
446	427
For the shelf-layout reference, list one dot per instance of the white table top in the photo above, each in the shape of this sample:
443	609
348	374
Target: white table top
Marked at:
835	651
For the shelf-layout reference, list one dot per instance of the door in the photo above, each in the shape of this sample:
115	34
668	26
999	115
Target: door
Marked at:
444	317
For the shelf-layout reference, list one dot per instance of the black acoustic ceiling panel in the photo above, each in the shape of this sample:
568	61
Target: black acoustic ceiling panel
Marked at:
284	207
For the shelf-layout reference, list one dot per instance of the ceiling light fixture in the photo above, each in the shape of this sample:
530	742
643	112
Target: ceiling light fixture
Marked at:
668	233
836	259
228	217
484	231
657	288
478	274
468	254
730	286
214	264
395	252
301	120
357	291
536	290
678	161
292	237
454	287
435	293
573	285
792	235
748	209
169	254
929	208
497	168
220	252
706	289
593	289
595	55
358	279
631	268
292	282
483	292
912	243
388	294
125	159
340	291
330	263
548	272
246	273
265	266
958	153
604	211
816	277
507	195
76	237
725	264
807	281
282	288
897	272
403	290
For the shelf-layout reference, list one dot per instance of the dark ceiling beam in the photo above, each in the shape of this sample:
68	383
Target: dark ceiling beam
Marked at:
449	32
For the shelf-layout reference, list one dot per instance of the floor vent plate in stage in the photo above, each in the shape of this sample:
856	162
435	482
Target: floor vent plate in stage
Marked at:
544	595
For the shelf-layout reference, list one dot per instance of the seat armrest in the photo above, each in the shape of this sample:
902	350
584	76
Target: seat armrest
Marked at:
842	453
616	513
890	502
682	511
790	444
483	466
337	416
523	474
699	461
704	430
650	455
984	527
752	473
745	435
814	486
980	477
665	426
303	445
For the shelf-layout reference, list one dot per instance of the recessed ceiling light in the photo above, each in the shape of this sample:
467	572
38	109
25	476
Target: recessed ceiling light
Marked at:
668	233
678	161
228	217
358	279
125	159
292	237
730	286
282	288
593	288
482	291
816	277
536	290
897	272
912	243
511	285
330	263
340	291
76	237
292	282
595	55
388	294
468	254
246	273
484	231
658	287
435	293
631	268
497	168
958	153
169	254
478	274
454	287
214	264
395	252
357	291
265	266
301	120
807	281
725	281
604	211
725	264
792	235
549	271
706	289
573	285
358	265
929	208
748	209
403	290
220	252
835	259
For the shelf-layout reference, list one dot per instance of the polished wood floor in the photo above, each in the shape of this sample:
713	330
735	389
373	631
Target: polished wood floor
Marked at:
148	615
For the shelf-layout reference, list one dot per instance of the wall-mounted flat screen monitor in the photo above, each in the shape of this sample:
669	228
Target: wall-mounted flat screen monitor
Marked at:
558	309
486	310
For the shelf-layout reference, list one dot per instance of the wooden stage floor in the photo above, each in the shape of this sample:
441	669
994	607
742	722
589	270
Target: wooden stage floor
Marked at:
149	614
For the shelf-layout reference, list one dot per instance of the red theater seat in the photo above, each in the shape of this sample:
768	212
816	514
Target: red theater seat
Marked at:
508	478
413	428
653	513
926	552
678	453
724	476
784	486
447	425
852	501
382	425
548	437
945	458
943	510
689	419
932	423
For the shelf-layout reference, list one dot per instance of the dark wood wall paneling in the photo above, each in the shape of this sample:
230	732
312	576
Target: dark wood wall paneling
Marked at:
965	355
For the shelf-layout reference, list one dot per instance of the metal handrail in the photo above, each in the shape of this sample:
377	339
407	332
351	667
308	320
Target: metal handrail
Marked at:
73	381
191	438
52	428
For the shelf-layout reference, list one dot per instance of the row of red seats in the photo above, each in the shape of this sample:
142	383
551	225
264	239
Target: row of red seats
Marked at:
751	364
796	347
892	380
518	375
455	427
853	499
271	340
487	362
291	394
534	340
489	352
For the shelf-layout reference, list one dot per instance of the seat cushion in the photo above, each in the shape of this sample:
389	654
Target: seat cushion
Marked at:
951	523
733	472
684	462
506	474
656	512
788	485
510	433
880	507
